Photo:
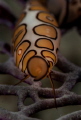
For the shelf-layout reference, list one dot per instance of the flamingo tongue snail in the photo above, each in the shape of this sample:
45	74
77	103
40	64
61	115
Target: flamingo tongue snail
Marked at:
35	41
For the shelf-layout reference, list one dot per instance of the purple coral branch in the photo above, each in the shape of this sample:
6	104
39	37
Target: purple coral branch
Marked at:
67	98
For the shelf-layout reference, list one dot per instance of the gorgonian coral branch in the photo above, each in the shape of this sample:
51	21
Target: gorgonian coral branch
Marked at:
66	98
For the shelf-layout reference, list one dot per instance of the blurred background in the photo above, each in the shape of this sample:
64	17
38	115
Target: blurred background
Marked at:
70	47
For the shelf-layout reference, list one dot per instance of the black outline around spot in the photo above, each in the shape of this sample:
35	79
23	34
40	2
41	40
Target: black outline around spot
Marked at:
24	51
48	56
26	55
51	62
46	16
45	35
44	47
20	33
21	43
